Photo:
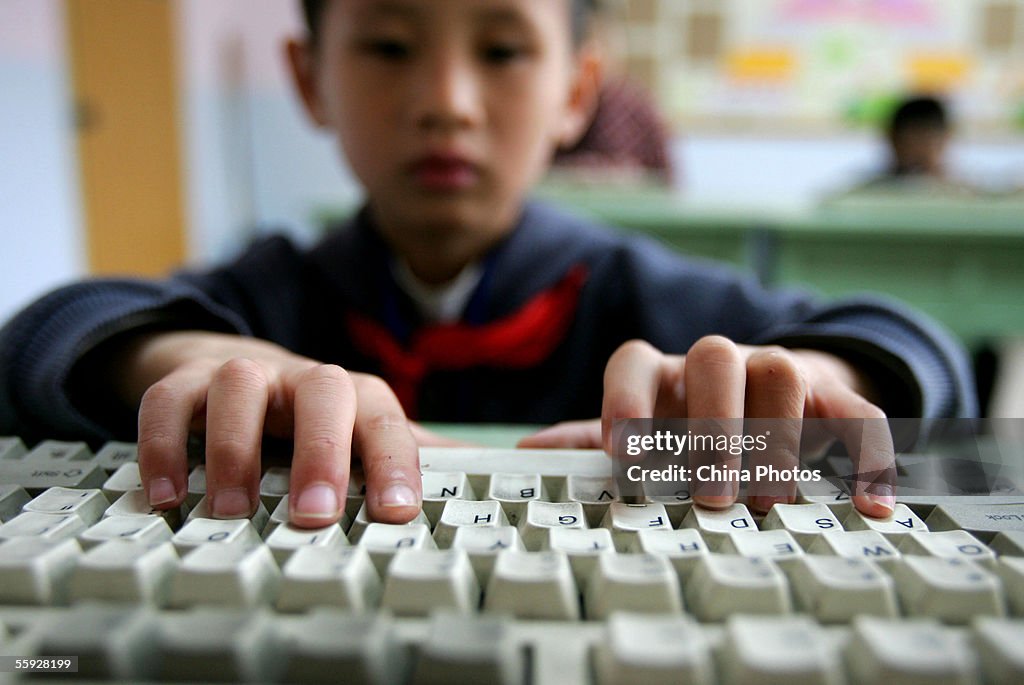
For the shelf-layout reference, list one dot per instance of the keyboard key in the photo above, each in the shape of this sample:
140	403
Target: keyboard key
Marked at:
384	540
716	525
654	650
594	493
949	544
1011	571
111	642
285	540
836	498
684	547
136	503
982	521
466	650
1000	655
460	513
12	499
342	577
778	545
12	449
201	531
625	520
483	545
125	571
725	584
113	455
53	464
125	479
30	524
439	487
362	520
87	505
950	590
583	546
641	583
274	486
677	505
541	517
790	649
35	570
196	488
327	645
901	522
804	521
836	589
513	491
225	575
218	645
425	579
907	651
859	544
201	510
1009	543
533	585
142	529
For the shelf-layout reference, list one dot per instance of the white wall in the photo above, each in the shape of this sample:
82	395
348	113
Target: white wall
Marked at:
254	163
39	204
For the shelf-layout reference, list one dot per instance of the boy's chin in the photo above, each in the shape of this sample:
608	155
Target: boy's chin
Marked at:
451	216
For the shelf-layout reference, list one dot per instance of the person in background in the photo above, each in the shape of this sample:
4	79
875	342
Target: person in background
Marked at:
918	134
626	139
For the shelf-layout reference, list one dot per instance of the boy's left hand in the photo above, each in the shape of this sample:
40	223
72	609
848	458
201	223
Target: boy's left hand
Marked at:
718	379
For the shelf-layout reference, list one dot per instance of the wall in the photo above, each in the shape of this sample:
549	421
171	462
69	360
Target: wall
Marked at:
39	210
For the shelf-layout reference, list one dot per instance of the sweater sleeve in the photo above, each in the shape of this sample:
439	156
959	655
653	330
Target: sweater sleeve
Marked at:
43	346
920	370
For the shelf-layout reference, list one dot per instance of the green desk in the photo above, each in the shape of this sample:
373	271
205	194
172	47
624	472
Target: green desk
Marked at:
960	261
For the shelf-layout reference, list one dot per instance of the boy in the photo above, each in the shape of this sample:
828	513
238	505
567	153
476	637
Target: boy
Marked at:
471	303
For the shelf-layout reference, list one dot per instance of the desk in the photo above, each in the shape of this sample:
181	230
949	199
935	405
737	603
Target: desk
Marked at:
961	262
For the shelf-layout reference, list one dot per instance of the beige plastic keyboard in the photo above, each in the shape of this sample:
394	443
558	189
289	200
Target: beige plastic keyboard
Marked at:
524	568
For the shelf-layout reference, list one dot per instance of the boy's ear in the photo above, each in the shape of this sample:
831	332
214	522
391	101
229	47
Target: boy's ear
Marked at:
583	96
302	62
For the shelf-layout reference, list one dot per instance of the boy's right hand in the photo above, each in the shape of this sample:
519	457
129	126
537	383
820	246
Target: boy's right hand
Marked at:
236	389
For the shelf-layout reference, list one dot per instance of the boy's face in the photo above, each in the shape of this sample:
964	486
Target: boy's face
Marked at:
447	110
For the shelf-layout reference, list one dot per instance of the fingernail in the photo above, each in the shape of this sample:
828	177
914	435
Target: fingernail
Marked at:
161	491
317	501
398	495
232	503
883	496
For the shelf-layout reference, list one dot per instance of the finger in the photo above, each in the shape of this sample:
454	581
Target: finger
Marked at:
774	406
715	378
631	382
324	401
165	415
236	407
566	435
390	455
869	443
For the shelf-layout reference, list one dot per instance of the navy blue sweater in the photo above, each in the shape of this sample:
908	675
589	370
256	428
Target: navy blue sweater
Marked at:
605	289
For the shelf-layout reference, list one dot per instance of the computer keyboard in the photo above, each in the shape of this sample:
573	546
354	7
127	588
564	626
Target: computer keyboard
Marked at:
523	568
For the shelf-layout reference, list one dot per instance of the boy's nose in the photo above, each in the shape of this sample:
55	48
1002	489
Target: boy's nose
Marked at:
449	95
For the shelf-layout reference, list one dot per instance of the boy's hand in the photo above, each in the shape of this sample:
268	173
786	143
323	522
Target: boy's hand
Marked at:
718	379
236	389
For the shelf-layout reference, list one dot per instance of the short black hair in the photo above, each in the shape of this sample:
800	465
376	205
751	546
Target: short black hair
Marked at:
582	13
922	111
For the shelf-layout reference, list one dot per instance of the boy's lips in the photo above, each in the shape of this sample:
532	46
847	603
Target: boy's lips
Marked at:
445	172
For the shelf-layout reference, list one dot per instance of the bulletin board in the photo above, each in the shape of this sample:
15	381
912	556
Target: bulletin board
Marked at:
825	64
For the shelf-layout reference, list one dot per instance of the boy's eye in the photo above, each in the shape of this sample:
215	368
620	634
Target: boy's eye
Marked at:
387	49
502	53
